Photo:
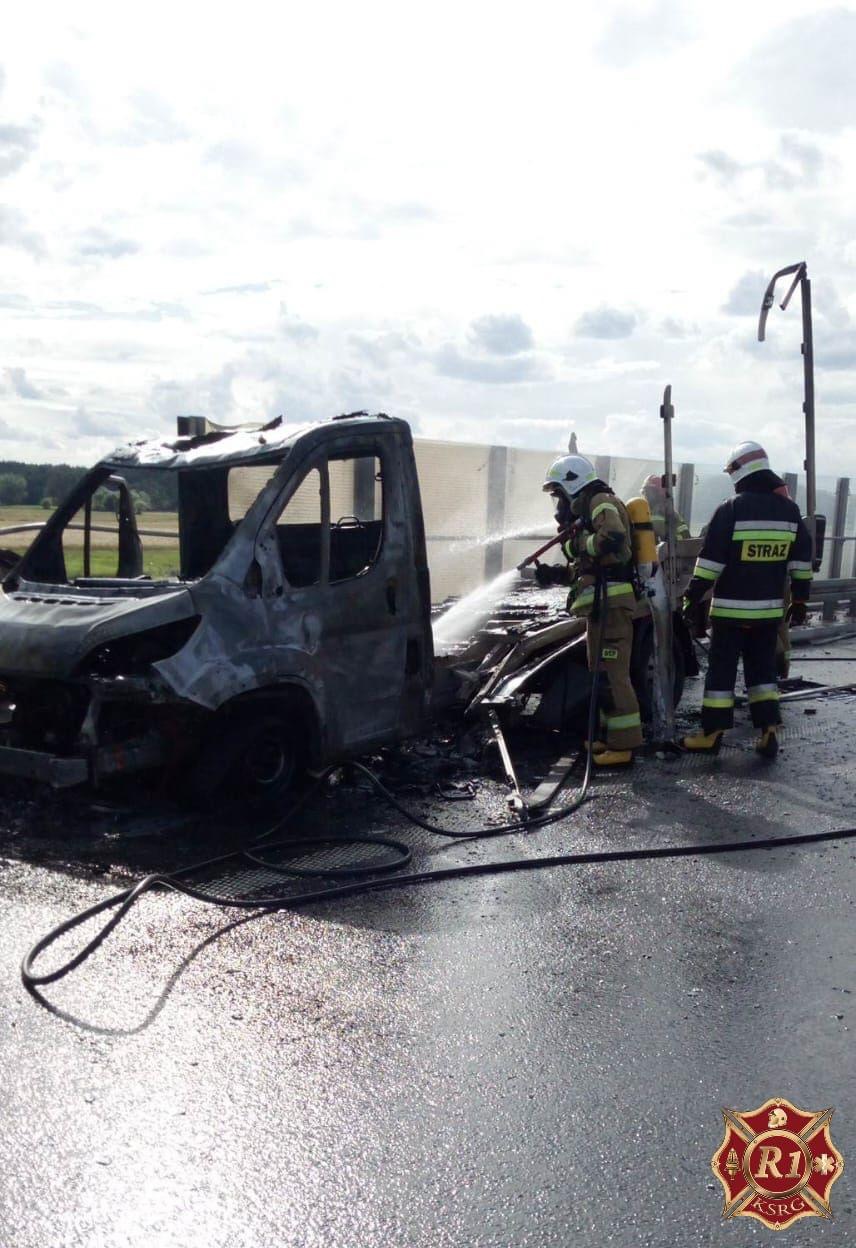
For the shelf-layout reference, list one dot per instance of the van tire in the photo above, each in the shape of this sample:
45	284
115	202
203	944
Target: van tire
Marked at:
246	758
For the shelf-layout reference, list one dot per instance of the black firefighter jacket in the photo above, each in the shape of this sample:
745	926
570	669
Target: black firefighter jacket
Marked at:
755	542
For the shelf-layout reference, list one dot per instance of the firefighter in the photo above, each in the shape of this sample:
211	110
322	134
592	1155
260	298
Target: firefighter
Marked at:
599	547
655	497
755	542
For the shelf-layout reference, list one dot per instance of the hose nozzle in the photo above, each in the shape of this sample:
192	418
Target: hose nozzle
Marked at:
536	555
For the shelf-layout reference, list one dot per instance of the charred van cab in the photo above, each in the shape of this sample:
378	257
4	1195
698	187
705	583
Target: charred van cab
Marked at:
295	624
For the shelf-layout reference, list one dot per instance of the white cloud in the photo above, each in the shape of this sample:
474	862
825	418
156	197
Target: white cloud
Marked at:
20	384
801	73
152	120
17	144
501	335
722	166
15	232
450	362
745	297
251	222
105	425
605	322
297	330
645	31
98	243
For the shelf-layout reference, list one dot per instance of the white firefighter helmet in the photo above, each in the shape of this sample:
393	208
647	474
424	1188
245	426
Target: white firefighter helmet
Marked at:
746	458
571	474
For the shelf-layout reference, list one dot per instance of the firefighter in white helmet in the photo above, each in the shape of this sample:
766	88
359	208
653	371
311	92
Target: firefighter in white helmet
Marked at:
655	496
756	544
599	548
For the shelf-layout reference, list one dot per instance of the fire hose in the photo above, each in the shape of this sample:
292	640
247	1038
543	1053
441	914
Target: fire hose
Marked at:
256	856
177	880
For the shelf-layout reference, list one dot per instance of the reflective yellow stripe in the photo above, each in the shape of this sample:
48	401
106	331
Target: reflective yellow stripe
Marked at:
624	721
801	576
612	591
590	543
768	695
723	703
736	613
705	574
763	535
605	507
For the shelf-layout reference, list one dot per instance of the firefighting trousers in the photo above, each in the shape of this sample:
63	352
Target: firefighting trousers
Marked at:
620	721
757	645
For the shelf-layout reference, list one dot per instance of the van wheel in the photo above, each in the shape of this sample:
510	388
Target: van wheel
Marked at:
247	759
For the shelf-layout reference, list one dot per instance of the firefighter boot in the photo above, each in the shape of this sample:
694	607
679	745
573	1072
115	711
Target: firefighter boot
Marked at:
613	758
597	747
767	744
704	742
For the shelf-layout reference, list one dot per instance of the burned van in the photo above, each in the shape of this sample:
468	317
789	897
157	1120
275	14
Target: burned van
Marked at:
286	618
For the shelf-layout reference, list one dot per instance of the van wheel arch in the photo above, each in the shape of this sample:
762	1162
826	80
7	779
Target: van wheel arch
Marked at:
254	748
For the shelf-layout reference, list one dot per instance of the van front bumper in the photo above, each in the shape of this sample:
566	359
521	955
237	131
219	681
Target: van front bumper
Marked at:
59	773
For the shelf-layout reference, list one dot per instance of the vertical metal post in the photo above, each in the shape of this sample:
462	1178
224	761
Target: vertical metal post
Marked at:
87	536
497	473
808	402
686	480
801	279
667	415
842	494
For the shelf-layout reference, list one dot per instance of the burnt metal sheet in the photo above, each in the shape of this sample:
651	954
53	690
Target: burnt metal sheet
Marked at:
516	683
241	447
48	630
59	773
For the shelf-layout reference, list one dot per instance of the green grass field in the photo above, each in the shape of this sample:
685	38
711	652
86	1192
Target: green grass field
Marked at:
160	554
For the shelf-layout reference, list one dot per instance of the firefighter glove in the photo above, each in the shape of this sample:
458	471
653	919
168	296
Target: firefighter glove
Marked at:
797	613
546	574
694	618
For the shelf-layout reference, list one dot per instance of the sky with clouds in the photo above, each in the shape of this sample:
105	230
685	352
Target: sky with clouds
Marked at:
499	221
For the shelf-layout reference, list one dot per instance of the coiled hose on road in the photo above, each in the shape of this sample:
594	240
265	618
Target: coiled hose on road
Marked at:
400	856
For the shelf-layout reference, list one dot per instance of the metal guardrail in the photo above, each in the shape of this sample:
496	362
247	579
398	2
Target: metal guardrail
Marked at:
94	528
833	596
828	596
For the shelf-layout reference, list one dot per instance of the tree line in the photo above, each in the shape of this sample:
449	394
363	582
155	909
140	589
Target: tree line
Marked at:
46	485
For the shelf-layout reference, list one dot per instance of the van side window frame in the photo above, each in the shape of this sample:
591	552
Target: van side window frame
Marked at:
320	462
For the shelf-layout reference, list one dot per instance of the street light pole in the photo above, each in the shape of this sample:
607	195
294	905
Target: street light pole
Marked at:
801	279
667	415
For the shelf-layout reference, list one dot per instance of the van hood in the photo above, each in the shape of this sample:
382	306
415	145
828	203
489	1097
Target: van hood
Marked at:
47	630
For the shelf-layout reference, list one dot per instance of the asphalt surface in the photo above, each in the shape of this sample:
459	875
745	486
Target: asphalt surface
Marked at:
527	1060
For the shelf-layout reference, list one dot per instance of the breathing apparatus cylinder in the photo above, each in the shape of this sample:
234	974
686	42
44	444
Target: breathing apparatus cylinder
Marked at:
642	536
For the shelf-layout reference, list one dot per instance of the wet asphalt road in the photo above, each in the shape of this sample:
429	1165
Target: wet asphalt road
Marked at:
530	1059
